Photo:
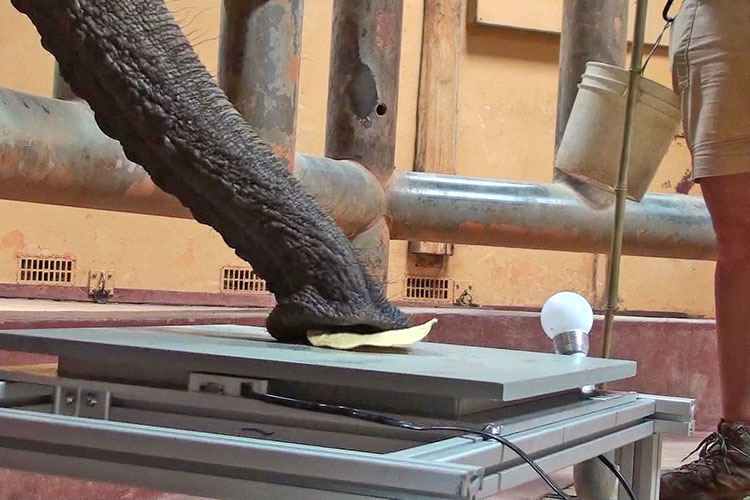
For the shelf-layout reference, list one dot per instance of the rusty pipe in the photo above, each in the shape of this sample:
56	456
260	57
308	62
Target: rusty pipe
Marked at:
591	31
52	152
492	212
363	83
362	101
259	61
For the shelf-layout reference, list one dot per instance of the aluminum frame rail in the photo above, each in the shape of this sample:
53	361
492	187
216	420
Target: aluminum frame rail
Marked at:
181	441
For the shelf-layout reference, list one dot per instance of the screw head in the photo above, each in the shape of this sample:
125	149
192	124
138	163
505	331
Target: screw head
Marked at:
70	398
91	400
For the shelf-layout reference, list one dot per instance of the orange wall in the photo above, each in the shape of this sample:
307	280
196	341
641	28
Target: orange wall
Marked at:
507	97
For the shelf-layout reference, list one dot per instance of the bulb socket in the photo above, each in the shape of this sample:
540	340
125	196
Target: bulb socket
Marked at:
572	342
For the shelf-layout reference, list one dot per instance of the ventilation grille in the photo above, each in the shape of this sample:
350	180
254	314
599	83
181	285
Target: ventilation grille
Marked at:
429	289
45	271
242	279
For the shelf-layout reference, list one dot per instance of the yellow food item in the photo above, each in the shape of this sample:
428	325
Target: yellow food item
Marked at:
389	338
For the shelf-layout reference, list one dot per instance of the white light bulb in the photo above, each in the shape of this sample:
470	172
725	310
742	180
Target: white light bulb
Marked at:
566	312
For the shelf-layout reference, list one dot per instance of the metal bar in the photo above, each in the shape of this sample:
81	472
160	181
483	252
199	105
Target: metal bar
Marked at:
591	31
625	458
259	61
538	438
520	474
53	152
476	211
647	467
176	481
363	102
363	83
229	456
243	412
60	88
621	190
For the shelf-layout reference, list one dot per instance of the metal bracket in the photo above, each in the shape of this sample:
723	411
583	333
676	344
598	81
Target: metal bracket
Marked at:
226	385
101	285
76	402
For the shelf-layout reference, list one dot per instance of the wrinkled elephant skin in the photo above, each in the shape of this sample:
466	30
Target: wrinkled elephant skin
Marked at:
132	63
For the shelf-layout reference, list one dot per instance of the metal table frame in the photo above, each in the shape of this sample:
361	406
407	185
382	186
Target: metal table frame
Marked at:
224	445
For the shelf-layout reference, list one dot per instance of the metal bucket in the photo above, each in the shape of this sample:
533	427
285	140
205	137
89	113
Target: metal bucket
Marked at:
592	142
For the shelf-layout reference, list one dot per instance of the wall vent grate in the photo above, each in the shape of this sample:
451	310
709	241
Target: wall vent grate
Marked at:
429	289
45	270
242	280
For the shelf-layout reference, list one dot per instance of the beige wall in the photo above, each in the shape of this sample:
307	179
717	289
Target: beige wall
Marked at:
507	96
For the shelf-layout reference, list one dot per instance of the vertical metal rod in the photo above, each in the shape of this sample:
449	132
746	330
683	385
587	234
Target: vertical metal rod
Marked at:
363	101
621	190
60	88
363	83
259	61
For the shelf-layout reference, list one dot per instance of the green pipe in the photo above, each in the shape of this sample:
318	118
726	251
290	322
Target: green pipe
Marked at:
621	190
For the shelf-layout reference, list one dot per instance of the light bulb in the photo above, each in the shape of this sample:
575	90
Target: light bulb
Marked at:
566	312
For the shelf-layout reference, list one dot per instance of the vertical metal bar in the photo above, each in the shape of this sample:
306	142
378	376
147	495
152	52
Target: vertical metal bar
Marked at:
625	457
363	83
591	31
363	101
593	479
60	88
621	190
259	60
647	468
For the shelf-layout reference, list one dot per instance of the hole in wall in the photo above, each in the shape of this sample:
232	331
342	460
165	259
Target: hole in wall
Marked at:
381	109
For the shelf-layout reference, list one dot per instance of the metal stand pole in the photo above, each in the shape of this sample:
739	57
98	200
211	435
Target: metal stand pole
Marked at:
621	191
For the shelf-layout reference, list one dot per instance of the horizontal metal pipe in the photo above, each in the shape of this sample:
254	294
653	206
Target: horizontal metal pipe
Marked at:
543	216
52	152
344	189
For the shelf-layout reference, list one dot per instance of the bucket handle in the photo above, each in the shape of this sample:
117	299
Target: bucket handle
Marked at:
665	12
669	20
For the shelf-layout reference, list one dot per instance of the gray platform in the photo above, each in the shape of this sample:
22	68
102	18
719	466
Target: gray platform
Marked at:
425	368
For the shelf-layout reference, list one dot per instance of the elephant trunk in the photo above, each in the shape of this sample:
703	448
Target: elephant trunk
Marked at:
148	89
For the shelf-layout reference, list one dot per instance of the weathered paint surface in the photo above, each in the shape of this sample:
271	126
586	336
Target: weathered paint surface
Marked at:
263	83
364	83
506	124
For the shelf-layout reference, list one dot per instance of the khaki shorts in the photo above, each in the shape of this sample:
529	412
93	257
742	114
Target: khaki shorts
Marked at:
710	58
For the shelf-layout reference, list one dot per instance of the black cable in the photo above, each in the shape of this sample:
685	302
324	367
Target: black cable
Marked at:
620	477
378	418
404	424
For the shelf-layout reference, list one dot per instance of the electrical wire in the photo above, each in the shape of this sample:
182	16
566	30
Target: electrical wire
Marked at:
378	418
404	424
623	482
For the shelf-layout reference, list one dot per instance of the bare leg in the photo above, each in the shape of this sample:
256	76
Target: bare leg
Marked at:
728	200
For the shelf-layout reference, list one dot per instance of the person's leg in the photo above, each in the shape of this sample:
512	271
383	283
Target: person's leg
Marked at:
722	469
728	200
